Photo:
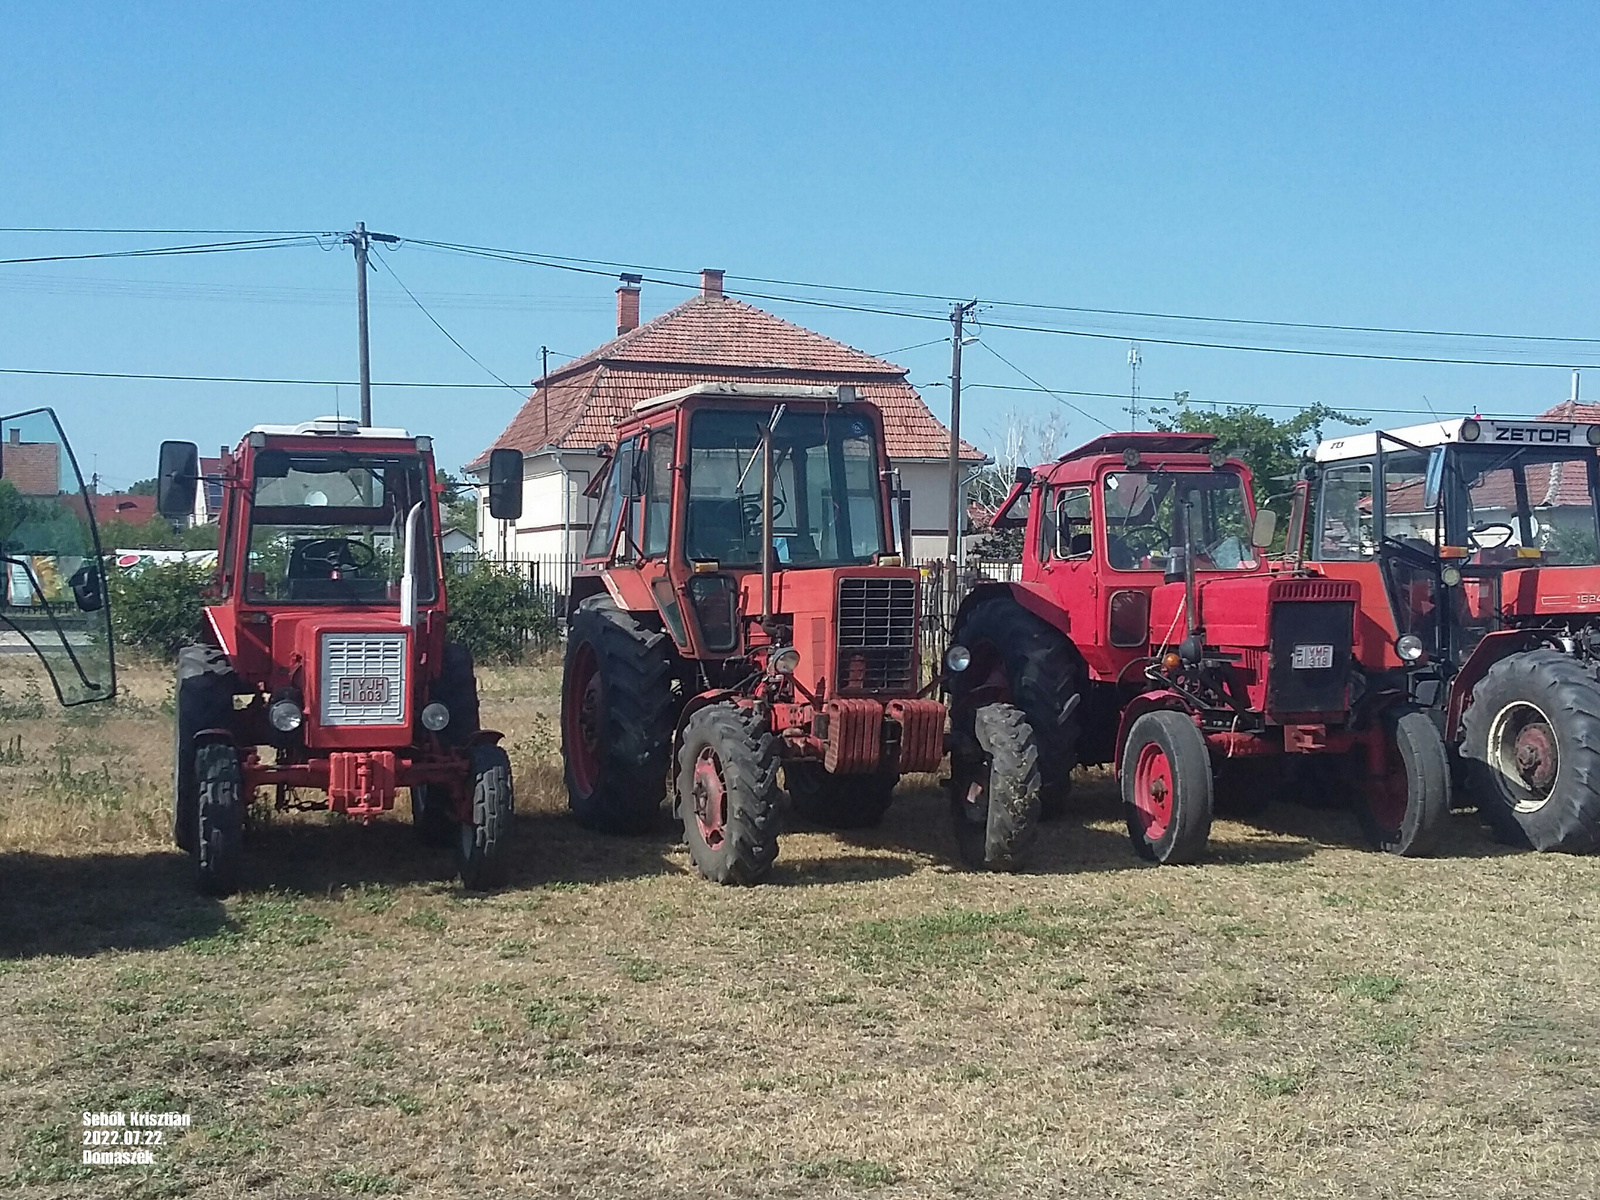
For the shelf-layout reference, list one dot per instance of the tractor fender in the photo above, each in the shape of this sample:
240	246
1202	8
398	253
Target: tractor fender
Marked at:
583	586
1493	647
695	704
484	737
215	736
1137	707
1036	598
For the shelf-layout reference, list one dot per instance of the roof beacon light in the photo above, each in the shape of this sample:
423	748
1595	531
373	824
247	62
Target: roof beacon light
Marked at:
1130	457
1471	431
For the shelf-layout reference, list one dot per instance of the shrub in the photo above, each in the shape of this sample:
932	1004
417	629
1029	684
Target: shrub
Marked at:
496	613
157	610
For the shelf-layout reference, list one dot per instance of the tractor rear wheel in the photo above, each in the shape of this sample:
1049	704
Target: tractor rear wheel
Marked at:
1166	787
219	819
727	794
994	792
482	842
431	816
838	801
203	700
617	714
1403	810
1044	676
1531	741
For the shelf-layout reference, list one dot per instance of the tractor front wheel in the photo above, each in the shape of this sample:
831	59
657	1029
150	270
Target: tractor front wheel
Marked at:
838	801
219	819
1531	738
1166	787
1404	807
431	817
994	790
481	843
203	700
727	794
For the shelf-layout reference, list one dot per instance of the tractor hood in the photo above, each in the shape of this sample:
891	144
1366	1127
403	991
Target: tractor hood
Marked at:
1550	591
1237	610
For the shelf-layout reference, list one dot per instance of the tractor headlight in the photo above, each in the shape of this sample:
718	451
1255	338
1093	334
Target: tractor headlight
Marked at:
785	661
1471	431
1451	576
285	715
958	658
1409	647
435	717
1594	435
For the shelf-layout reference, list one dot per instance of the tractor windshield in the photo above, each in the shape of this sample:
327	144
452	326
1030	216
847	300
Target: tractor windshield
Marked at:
1144	523
53	606
328	527
826	497
1499	499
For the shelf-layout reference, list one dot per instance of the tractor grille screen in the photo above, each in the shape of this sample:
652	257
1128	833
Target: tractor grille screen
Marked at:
877	635
1305	636
363	679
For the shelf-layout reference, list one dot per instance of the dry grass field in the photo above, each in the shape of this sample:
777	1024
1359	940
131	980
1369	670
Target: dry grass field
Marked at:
1295	1017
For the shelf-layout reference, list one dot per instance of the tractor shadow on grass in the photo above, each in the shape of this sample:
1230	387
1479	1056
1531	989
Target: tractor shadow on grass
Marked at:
1336	825
82	905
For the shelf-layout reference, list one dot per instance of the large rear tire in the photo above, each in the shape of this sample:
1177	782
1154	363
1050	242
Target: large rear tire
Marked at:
1166	788
219	819
1045	678
1531	741
482	842
1403	810
727	794
838	801
203	699
994	790
617	713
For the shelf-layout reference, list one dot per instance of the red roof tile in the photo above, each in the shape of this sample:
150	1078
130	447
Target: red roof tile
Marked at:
713	340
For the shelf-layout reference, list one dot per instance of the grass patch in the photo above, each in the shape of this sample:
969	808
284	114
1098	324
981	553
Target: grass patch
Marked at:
863	1172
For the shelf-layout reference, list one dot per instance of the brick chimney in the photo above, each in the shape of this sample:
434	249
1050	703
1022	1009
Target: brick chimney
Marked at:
711	284
628	304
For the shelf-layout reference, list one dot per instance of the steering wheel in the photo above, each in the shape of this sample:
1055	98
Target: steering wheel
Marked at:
752	508
337	554
1472	535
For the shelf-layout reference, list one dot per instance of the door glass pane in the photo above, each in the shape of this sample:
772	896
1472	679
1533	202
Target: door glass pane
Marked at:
660	493
1407	518
1344	515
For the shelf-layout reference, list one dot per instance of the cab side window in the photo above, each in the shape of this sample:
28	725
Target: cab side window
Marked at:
613	503
658	500
1344	514
1071	526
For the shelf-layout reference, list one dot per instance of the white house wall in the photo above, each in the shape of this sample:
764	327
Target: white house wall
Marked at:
538	533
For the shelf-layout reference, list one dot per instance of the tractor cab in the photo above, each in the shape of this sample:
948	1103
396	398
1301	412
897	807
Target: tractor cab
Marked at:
52	588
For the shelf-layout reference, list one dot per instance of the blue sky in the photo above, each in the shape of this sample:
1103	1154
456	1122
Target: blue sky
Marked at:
1398	165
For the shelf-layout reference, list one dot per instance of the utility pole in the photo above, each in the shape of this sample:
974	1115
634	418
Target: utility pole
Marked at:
1134	359
362	241
544	388
958	315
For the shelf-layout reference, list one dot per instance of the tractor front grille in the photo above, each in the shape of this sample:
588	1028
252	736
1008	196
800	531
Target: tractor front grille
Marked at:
1310	623
363	679
877	635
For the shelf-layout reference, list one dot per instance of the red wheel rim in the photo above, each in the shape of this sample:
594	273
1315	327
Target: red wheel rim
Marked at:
710	797
1152	791
583	713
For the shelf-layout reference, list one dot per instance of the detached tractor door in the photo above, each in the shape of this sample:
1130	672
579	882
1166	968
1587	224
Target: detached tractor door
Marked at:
1410	533
54	607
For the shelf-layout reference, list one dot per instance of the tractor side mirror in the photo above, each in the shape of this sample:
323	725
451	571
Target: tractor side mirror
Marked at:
1433	482
505	484
1266	526
88	588
177	478
1023	475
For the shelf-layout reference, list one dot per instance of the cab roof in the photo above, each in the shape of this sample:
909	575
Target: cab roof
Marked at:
1531	432
345	427
1144	443
843	393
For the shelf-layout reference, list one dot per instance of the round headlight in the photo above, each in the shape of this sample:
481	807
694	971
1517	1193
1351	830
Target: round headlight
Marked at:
1450	577
1594	435
435	717
1409	648
285	716
785	661
1471	431
958	658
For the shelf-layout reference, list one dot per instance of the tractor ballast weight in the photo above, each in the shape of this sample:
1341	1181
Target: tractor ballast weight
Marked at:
1149	630
326	666
1476	544
740	609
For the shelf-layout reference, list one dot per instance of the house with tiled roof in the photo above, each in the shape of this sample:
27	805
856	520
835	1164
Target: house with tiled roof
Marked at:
709	338
34	468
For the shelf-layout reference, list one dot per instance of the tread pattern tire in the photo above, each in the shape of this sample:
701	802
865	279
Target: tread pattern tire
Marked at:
995	796
636	716
1184	837
748	757
1417	753
481	846
1569	695
1044	672
838	801
219	820
203	699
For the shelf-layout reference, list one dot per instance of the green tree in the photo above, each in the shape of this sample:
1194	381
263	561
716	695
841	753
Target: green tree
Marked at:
459	503
143	487
496	613
156	534
158	610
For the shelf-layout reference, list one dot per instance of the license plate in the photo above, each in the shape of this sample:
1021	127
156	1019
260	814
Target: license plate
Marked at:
372	689
1312	656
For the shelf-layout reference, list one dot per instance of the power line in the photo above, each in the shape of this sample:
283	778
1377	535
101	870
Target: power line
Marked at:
172	232
165	251
162	378
453	341
1042	388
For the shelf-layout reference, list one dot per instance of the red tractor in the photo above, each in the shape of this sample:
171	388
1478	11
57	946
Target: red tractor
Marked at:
1150	630
741	609
327	667
1476	546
